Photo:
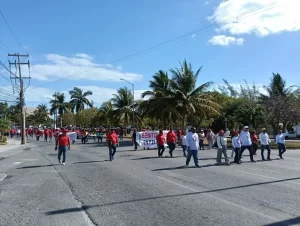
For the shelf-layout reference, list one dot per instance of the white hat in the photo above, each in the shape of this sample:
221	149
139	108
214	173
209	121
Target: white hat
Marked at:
246	127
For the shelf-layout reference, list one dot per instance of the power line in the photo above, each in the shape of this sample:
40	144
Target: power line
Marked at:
177	39
10	29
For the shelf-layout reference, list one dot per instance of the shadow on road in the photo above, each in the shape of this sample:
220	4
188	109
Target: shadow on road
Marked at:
156	157
90	162
288	222
293	221
32	167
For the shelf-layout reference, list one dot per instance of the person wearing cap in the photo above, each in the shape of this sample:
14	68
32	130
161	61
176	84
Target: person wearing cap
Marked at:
246	142
265	143
112	142
222	146
63	144
192	142
236	144
171	141
280	141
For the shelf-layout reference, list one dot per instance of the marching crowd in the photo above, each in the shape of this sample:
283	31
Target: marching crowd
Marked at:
192	141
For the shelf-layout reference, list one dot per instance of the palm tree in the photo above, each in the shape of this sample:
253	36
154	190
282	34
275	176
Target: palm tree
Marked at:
79	99
157	105
105	112
4	110
41	114
188	98
122	105
59	104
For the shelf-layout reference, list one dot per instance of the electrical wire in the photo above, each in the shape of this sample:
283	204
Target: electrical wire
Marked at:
177	39
10	29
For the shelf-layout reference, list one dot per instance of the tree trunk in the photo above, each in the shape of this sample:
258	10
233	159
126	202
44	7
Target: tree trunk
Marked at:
183	123
60	121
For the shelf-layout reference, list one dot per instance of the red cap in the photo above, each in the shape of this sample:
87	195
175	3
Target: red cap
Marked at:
221	132
236	132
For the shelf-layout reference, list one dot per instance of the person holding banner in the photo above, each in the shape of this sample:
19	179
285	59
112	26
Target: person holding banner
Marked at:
160	140
171	141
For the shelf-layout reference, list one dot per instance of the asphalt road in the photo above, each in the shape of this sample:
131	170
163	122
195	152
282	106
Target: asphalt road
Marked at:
137	188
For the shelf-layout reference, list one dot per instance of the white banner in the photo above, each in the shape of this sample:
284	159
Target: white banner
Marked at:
147	139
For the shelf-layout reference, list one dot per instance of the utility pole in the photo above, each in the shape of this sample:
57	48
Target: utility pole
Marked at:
21	89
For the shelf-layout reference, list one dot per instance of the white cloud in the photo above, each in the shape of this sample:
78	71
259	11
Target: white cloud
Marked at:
206	2
100	94
223	40
261	17
193	35
80	66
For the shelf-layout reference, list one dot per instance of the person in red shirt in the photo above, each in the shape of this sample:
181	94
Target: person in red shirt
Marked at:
254	140
171	141
112	142
38	134
63	144
160	140
50	135
46	134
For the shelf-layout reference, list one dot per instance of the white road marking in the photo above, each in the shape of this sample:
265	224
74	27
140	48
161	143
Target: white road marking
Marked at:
222	200
2	176
17	163
273	178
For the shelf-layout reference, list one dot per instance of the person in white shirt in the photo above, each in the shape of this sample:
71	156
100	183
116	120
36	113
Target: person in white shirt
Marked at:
222	146
183	143
201	139
280	141
192	142
236	144
246	142
265	143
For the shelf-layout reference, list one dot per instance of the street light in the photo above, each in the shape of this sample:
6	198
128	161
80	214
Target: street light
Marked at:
132	99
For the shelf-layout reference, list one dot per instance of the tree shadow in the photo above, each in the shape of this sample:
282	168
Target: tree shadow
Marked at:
293	221
288	222
32	167
90	162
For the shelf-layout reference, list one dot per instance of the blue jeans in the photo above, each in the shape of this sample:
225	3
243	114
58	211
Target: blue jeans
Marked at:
184	147
281	149
112	151
193	153
62	150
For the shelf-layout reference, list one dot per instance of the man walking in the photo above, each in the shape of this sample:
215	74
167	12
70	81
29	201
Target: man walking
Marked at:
280	141
246	142
210	136
160	140
112	142
171	141
192	142
222	146
134	140
63	144
265	143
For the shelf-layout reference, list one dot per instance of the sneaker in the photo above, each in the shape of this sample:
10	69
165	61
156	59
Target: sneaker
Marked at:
64	163
59	161
197	166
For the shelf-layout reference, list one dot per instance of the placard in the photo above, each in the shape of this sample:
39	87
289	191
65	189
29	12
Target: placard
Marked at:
147	139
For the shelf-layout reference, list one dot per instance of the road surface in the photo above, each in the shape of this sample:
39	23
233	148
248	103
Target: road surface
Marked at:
137	188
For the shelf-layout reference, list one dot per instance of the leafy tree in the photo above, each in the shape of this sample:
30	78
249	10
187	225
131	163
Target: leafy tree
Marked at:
4	110
86	117
58	104
189	99
79	99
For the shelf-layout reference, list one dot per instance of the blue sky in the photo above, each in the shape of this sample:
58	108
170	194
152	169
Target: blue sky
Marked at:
68	37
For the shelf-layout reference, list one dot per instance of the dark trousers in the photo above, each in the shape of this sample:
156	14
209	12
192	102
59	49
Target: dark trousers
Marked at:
281	149
171	148
237	156
161	149
135	145
184	148
191	153
255	147
263	147
99	139
112	151
83	139
62	150
249	147
46	138
201	144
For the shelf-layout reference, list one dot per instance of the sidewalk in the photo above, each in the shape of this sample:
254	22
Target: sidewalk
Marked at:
11	144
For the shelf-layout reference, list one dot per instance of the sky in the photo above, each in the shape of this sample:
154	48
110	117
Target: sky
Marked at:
94	44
